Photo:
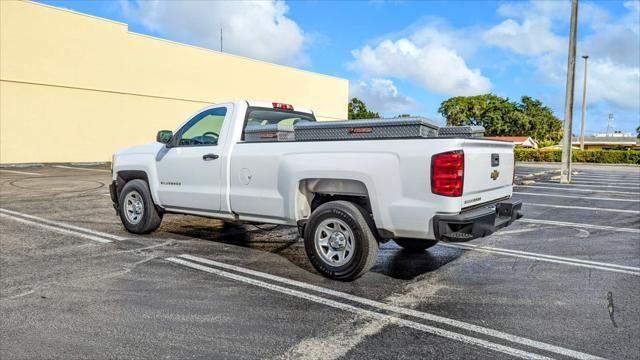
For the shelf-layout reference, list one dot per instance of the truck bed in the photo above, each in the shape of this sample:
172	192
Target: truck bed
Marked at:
394	174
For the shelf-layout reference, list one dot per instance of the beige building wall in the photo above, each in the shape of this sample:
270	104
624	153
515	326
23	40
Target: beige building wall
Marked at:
75	88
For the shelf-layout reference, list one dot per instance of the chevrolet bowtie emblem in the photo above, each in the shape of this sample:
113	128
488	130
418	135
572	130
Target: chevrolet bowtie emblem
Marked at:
494	174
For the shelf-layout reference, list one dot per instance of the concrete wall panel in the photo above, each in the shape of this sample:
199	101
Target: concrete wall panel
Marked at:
69	79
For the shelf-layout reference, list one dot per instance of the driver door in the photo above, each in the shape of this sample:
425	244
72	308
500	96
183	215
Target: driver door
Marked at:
189	170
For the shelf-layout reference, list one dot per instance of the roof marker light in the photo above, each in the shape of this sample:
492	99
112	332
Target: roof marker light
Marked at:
282	106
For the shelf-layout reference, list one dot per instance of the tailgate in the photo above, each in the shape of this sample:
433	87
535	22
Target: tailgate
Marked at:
488	171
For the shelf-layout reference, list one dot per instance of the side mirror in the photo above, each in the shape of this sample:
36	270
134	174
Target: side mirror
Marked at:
164	136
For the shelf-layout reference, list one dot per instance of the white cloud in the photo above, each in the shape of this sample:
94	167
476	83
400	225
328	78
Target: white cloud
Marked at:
614	60
529	27
558	10
423	58
614	83
618	40
633	5
255	29
612	45
381	95
522	9
531	37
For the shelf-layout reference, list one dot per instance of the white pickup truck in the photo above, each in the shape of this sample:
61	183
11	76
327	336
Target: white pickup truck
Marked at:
345	196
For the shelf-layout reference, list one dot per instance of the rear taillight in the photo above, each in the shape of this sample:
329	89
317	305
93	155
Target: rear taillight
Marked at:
447	173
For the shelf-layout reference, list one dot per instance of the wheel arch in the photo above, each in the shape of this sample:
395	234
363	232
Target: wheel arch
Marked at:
128	175
313	192
124	176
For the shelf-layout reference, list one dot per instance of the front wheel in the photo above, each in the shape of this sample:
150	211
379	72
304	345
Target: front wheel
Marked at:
137	210
415	245
339	240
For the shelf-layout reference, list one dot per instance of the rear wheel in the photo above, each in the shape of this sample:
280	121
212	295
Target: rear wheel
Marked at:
339	240
137	210
415	245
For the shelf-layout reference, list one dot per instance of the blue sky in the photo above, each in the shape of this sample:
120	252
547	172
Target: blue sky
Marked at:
409	56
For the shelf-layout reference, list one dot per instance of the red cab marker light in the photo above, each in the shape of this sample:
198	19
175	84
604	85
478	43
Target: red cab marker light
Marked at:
282	106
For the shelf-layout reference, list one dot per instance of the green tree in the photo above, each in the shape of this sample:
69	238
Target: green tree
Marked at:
541	124
502	117
358	110
638	131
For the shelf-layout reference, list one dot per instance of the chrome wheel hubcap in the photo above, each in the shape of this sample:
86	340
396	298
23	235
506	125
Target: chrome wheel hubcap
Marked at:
334	242
133	207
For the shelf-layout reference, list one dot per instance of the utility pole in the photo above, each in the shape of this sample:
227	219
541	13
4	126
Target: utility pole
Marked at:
584	100
220	38
565	171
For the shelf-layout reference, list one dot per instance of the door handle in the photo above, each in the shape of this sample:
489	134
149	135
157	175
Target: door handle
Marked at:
208	157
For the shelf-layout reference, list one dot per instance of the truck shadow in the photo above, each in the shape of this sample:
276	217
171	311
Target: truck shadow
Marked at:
392	261
283	240
400	264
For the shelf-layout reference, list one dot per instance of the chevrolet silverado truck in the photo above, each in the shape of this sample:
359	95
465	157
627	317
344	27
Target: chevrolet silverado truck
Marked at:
346	197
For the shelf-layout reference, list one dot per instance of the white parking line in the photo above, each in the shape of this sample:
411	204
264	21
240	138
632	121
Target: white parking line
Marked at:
527	174
617	178
20	172
80	168
62	225
519	231
596	182
582	208
631	172
590	186
604	181
386	307
580	225
575	197
578	190
608	176
631	270
362	312
56	228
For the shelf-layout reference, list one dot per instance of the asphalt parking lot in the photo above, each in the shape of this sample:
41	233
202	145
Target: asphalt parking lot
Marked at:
563	282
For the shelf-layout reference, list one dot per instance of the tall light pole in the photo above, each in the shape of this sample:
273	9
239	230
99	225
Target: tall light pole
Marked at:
584	101
565	171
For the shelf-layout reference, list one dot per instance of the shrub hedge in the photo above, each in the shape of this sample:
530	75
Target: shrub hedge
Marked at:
586	156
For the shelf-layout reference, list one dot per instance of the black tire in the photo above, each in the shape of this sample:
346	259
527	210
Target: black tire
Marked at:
149	218
415	245
365	244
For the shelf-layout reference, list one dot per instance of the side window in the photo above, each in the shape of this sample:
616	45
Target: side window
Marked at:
203	129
